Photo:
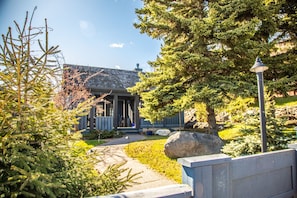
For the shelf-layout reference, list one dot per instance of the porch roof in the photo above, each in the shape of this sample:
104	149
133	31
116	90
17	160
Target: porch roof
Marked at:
107	79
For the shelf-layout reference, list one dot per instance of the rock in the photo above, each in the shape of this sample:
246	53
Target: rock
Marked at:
187	144
163	132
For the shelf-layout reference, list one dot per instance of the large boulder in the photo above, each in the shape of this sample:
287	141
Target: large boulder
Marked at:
187	144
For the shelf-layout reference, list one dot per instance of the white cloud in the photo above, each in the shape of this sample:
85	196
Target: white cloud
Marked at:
117	67
116	45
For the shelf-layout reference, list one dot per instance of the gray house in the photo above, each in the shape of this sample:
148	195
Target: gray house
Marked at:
119	109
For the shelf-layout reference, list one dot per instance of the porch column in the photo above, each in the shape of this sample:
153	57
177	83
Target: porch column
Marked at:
136	112
115	111
92	116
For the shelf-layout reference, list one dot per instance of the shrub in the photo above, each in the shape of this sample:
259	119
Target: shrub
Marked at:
247	145
97	134
110	134
91	135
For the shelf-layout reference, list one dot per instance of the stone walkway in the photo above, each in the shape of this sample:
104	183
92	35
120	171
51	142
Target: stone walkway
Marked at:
114	154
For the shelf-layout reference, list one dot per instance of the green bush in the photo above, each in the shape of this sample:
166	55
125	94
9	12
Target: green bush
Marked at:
98	134
247	145
91	135
237	107
110	134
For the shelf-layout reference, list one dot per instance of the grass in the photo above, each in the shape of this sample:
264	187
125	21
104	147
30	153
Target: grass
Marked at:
287	101
94	142
231	133
151	153
155	137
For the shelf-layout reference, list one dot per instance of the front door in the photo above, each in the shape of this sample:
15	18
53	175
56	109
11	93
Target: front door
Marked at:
126	112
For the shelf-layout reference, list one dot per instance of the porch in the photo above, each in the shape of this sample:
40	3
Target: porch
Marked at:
106	123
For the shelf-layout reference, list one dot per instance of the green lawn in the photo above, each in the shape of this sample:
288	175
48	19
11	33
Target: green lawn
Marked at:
287	101
230	133
151	153
94	142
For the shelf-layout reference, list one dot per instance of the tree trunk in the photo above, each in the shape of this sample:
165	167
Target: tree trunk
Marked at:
211	120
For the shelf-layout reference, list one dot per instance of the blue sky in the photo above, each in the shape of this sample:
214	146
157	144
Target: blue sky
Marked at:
89	32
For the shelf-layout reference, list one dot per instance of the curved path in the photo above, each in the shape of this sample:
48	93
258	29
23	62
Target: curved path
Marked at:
113	153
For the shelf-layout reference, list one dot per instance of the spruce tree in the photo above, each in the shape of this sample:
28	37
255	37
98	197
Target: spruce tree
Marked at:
207	51
282	73
38	157
30	126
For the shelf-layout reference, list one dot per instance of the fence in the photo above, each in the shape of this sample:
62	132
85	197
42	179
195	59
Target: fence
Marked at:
266	175
104	123
101	123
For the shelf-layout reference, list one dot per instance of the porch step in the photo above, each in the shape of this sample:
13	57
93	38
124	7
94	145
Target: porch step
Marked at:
127	130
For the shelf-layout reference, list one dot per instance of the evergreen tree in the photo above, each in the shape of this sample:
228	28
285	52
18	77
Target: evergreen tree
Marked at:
250	142
208	49
282	75
30	125
37	155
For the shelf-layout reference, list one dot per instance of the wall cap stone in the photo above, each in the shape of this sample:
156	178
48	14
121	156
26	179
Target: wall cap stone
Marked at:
170	191
205	160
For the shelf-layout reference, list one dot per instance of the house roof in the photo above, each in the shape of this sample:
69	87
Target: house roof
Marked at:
107	78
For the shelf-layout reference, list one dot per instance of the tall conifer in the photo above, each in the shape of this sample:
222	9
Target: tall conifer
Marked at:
207	51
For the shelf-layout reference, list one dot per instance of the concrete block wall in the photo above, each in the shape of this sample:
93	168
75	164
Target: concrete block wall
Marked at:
208	175
263	175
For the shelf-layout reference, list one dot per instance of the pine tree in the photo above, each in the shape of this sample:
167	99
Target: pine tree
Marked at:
208	49
38	158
